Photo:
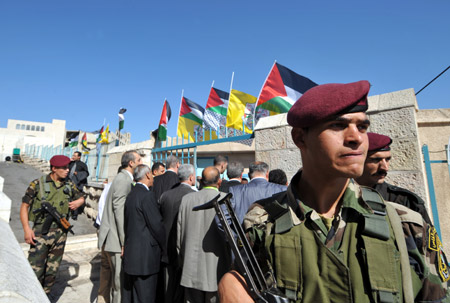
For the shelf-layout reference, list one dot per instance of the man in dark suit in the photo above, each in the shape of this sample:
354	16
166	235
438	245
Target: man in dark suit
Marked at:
169	179
144	240
258	188
234	173
78	171
170	203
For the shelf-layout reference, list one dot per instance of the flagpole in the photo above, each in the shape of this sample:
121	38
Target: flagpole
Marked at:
228	106
178	122
254	112
212	85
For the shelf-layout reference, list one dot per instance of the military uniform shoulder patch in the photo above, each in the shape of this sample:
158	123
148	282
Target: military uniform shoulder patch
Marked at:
443	267
434	243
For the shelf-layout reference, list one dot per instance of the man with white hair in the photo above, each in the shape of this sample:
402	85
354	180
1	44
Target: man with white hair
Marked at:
170	203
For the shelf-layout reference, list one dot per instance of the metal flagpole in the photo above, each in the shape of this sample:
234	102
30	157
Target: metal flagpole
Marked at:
229	96
257	99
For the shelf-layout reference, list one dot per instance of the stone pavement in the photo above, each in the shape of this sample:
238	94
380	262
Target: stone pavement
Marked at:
79	273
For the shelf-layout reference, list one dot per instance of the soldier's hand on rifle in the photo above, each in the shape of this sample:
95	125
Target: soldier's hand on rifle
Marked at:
232	288
29	236
76	203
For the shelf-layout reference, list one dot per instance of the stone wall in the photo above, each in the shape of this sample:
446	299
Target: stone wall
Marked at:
392	114
434	131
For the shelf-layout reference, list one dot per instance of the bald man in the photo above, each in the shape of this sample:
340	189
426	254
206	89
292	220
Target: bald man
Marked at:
202	266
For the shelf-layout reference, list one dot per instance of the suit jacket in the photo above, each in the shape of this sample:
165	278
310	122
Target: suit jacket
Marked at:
144	233
164	182
203	251
225	186
170	204
111	232
244	195
80	179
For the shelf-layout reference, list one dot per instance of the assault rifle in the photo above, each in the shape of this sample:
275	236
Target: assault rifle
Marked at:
245	258
52	215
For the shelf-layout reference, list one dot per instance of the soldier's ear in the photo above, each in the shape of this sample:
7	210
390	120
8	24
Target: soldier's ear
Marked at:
298	136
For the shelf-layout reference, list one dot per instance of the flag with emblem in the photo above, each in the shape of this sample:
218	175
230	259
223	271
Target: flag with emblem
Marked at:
99	137
165	117
215	116
280	91
240	111
104	136
84	143
190	120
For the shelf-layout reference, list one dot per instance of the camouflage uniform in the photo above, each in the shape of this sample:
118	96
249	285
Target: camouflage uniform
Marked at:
46	255
347	261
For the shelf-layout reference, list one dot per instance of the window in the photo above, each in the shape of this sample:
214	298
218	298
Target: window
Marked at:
22	126
42	128
38	128
17	126
28	127
33	127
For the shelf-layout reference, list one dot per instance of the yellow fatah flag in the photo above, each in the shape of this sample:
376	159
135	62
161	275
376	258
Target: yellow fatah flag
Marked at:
240	109
105	135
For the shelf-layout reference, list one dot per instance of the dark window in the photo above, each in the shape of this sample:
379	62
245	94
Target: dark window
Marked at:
22	126
42	128
28	127
38	128
33	127
17	126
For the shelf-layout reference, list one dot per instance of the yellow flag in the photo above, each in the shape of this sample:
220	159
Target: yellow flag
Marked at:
240	111
105	135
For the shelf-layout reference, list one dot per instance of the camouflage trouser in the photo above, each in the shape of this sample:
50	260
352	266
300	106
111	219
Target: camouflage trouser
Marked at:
46	255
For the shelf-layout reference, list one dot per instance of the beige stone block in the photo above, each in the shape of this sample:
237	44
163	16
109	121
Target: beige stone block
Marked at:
288	160
398	123
271	139
263	156
289	142
394	100
405	155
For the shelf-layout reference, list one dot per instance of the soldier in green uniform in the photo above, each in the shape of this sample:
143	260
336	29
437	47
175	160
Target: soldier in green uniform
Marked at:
327	239
47	246
376	169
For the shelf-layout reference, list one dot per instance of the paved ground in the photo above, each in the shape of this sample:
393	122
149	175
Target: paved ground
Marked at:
17	178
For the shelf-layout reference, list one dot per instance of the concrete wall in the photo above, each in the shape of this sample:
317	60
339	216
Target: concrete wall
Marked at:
392	114
434	130
5	203
18	283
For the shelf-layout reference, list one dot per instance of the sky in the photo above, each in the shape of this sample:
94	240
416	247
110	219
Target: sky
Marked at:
81	61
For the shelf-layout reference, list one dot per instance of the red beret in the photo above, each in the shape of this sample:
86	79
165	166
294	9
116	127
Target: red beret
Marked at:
322	102
378	142
59	161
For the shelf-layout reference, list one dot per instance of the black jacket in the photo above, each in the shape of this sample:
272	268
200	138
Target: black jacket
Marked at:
170	204
144	233
164	182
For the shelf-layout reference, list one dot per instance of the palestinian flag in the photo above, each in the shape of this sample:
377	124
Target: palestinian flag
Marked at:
215	116
74	140
121	117
280	91
165	117
190	120
99	138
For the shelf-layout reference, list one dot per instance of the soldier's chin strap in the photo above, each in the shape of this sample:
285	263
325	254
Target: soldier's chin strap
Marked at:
258	289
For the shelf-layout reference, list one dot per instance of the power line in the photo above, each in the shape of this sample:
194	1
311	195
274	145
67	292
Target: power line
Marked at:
433	80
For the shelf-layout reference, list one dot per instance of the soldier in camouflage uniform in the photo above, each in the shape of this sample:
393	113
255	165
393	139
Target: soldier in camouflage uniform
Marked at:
327	239
376	169
47	248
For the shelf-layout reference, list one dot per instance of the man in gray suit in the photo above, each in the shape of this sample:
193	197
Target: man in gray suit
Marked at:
203	252
111	236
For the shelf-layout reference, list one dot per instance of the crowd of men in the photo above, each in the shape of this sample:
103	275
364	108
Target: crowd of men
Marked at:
337	232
